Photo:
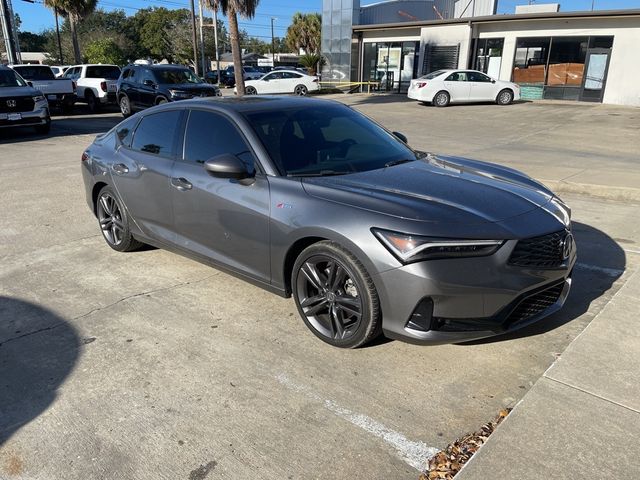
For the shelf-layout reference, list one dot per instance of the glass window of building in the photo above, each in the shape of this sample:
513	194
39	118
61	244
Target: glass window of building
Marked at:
529	66
489	56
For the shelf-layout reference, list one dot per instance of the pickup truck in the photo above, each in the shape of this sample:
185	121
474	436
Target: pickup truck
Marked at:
60	92
96	84
20	104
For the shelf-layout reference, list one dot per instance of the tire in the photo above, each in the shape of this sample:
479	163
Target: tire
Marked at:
114	222
441	99
161	101
92	102
67	108
300	90
125	106
335	296
505	97
250	91
44	129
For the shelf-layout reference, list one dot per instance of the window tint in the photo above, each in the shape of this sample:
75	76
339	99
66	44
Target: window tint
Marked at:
209	134
477	77
274	76
432	75
291	75
8	78
110	72
35	72
457	77
124	131
156	132
70	73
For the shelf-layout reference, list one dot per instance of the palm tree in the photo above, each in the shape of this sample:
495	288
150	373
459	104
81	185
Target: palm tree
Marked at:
304	32
74	11
233	8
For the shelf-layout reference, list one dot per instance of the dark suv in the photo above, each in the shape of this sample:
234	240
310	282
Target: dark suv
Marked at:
143	86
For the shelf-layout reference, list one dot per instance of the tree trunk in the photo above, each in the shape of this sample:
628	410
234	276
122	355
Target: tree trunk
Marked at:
234	35
74	40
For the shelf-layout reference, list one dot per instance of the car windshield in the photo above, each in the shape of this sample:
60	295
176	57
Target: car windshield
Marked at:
8	78
432	75
35	72
326	140
173	76
109	72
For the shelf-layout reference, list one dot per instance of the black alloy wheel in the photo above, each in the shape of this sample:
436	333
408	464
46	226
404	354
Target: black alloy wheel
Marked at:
114	222
250	90
335	296
300	90
125	106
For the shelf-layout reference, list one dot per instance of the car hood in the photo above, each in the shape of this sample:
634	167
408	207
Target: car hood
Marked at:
437	190
18	91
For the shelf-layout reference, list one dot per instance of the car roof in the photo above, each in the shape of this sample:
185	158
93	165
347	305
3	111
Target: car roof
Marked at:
256	103
163	66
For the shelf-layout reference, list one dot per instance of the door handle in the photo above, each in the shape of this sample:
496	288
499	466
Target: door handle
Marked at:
181	184
120	168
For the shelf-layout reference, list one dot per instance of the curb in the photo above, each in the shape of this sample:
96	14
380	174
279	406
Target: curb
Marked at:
608	192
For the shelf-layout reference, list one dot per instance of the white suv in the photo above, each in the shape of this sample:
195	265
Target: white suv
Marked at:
95	84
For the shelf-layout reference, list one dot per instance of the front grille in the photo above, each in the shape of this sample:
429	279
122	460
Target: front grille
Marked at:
543	252
22	104
534	304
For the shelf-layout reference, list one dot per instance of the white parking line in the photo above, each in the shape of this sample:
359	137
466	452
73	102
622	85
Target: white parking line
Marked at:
415	454
611	272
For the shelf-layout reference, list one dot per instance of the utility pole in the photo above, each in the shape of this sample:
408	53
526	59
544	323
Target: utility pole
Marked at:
273	49
215	38
9	32
193	38
204	65
55	12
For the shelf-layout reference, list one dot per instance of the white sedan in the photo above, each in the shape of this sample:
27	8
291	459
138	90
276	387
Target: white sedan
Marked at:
462	86
282	81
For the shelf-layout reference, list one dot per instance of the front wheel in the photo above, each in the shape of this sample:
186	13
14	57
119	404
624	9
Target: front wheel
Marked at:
92	102
125	106
250	91
44	128
114	222
300	90
335	296
505	97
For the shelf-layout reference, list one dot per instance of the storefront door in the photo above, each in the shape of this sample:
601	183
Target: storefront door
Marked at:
595	78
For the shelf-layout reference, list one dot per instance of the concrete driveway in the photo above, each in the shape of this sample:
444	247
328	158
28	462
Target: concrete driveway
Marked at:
148	365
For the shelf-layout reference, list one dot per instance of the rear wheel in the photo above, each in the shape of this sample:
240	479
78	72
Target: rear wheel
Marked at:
335	296
441	99
92	102
125	106
300	90
505	97
161	101
250	91
114	222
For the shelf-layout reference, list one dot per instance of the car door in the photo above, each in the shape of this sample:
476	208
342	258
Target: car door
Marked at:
270	83
483	88
147	87
457	86
291	80
142	168
128	87
74	74
220	218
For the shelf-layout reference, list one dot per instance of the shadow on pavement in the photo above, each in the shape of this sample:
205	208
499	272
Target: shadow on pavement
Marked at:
601	261
62	127
38	350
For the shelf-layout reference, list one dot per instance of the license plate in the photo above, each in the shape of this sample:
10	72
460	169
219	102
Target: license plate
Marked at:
111	88
14	116
52	97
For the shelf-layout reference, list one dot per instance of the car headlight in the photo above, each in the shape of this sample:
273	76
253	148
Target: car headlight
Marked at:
38	98
413	248
179	94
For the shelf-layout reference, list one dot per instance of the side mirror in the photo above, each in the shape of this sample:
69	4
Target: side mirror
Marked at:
149	83
493	81
402	137
227	166
30	83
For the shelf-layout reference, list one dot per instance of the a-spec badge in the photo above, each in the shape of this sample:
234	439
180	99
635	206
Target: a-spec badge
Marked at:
283	205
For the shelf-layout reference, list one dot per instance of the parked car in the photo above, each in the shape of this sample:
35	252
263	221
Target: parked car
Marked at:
20	104
249	73
310	198
282	81
443	87
143	86
227	79
60	92
58	70
95	84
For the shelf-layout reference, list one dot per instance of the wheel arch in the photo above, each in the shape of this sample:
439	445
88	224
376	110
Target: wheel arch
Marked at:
94	194
292	254
507	88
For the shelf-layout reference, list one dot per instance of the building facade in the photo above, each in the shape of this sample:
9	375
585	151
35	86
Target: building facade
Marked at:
583	56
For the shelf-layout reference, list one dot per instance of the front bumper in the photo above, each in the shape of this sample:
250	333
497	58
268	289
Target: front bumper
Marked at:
39	116
464	299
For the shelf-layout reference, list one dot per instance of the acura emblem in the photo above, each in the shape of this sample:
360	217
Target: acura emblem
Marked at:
567	246
11	103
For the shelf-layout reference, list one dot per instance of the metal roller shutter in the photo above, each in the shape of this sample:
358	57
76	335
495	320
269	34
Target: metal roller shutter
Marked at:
439	57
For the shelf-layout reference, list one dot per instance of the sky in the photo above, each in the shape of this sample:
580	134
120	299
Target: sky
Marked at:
35	17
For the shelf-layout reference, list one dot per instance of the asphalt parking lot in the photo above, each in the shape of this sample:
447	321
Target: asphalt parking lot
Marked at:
148	365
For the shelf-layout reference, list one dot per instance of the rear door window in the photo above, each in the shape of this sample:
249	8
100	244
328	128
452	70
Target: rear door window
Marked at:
156	133
109	72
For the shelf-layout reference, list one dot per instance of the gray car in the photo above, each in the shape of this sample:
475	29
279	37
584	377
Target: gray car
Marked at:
21	105
310	198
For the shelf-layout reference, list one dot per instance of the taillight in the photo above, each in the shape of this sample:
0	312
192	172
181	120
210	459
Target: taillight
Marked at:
103	86
315	80
85	156
421	84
